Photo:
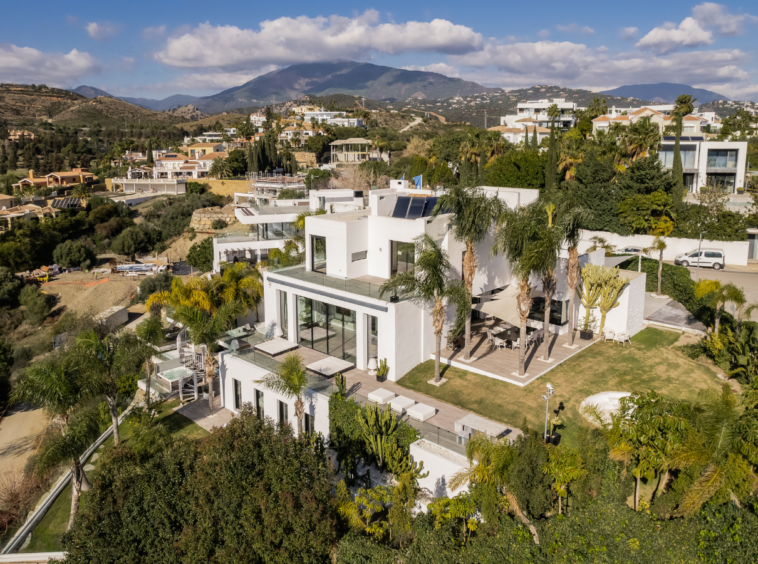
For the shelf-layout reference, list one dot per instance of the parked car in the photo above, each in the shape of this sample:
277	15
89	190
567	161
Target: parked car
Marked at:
629	251
714	258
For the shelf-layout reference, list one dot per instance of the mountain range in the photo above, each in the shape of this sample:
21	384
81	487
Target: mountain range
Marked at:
665	93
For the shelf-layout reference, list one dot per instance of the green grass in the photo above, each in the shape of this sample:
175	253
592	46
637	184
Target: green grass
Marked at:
652	363
46	536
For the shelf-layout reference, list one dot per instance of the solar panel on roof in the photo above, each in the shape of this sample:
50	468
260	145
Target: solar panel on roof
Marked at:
429	207
416	209
401	206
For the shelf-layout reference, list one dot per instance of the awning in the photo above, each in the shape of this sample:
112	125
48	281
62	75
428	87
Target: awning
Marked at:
503	305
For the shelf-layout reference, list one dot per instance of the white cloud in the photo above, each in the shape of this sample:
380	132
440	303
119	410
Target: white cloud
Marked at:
544	33
153	33
576	64
217	80
441	68
101	31
669	37
289	40
715	16
733	91
629	33
27	65
575	28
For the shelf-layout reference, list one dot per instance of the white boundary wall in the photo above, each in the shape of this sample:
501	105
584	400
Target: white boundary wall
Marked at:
736	252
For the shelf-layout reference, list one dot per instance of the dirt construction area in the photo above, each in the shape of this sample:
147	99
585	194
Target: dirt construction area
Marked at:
90	293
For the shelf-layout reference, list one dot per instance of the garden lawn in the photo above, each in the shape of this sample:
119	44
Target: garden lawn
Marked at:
651	363
46	536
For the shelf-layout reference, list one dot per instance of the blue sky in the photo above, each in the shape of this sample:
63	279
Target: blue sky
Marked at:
155	49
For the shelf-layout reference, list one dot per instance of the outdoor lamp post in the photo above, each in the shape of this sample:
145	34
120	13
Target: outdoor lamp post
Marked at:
697	266
546	397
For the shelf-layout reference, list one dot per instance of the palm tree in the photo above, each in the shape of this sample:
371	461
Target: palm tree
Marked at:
290	379
431	283
219	168
717	295
659	245
553	113
571	155
571	217
151	334
205	328
196	292
489	462
540	257
717	444
106	359
80	191
641	136
517	230
241	283
473	214
564	465
62	391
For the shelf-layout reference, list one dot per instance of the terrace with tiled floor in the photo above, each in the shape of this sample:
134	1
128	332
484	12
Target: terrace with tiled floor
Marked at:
503	364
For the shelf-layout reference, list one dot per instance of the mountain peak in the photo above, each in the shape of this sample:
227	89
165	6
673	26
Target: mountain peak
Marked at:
90	91
665	92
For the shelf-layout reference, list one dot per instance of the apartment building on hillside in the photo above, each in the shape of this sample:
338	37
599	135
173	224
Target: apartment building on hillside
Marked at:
537	110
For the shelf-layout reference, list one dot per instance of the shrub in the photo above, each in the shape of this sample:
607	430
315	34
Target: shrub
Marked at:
152	284
132	241
219	224
6	363
197	187
200	255
74	253
10	287
35	304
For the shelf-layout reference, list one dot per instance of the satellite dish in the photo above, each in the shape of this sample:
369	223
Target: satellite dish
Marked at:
235	344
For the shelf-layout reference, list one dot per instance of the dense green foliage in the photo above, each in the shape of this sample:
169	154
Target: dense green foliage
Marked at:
36	306
200	255
161	282
74	253
518	169
249	489
10	288
6	363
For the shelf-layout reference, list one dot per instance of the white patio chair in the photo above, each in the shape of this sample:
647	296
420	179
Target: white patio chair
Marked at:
489	336
515	344
498	343
624	338
609	335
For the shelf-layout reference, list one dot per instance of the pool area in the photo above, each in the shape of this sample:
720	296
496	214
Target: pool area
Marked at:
173	376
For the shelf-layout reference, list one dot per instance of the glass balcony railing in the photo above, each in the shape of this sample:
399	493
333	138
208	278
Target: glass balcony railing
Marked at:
359	287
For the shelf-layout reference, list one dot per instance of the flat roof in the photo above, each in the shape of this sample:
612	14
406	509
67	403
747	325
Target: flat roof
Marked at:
345	217
275	210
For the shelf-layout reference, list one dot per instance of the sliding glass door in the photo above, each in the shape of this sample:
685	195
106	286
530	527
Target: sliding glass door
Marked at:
327	328
403	256
318	254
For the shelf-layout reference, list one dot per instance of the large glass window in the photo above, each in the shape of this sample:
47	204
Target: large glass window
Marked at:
308	423
725	180
403	256
274	231
558	311
318	254
283	317
667	157
237	393
718	158
372	335
327	328
283	413
259	404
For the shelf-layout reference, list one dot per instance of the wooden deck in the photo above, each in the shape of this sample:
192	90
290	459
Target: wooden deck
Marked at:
503	364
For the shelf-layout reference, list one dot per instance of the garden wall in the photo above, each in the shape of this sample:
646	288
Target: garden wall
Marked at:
736	251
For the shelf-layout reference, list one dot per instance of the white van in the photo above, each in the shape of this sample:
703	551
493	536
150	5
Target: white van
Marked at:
714	258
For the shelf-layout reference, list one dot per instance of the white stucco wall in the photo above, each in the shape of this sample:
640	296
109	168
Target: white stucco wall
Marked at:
441	470
231	367
253	248
736	251
629	315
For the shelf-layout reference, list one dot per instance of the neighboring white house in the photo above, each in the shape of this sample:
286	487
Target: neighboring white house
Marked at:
330	118
537	110
177	166
213	136
517	134
720	162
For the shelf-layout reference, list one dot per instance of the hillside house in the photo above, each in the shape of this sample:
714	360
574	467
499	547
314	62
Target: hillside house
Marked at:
57	179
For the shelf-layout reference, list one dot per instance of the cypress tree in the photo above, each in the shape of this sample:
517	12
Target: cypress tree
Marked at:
250	158
677	170
526	139
535	143
552	162
149	151
293	164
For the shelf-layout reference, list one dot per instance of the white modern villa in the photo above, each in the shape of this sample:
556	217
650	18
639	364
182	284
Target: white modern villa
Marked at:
703	161
536	110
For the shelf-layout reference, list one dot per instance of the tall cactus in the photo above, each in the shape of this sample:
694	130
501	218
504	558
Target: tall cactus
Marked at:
610	289
589	289
378	428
